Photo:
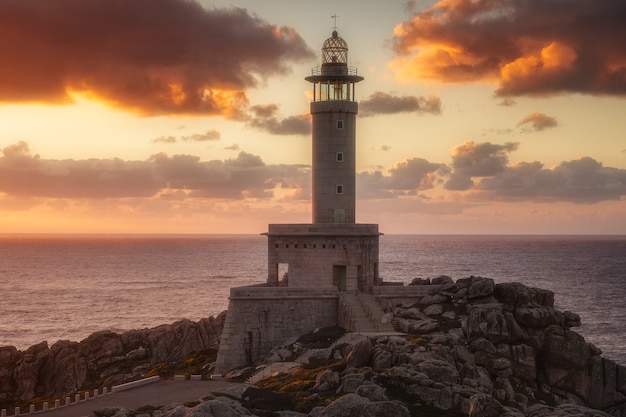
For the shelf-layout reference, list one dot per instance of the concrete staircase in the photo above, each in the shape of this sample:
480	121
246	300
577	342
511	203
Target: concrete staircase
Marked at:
362	313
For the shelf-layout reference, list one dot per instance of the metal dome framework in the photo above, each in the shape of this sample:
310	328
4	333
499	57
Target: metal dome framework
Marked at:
334	79
335	51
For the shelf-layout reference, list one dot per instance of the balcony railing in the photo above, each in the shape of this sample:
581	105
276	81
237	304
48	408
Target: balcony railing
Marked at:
334	70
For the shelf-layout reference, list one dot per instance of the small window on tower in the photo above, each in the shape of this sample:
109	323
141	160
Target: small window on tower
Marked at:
339	124
340	189
339	156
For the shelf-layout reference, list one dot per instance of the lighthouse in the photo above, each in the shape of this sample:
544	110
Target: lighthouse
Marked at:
333	112
323	273
332	252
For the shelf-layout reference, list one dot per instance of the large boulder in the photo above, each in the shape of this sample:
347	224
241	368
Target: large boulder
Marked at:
360	354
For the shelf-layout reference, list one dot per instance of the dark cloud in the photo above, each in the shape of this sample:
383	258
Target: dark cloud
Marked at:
247	176
147	56
538	121
385	103
477	160
529	47
265	118
582	180
404	178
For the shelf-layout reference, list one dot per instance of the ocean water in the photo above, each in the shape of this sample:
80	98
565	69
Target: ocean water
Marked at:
67	287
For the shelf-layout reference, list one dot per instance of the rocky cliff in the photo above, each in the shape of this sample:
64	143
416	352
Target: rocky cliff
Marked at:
472	347
103	359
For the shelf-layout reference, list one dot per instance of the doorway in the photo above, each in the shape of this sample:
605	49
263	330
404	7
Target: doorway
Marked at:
340	277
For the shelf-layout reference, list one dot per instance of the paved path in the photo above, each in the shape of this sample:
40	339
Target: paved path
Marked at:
157	394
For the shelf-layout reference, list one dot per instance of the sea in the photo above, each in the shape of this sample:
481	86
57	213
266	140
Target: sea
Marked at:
65	287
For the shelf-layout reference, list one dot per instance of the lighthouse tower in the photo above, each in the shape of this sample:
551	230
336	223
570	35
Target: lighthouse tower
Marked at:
334	251
334	111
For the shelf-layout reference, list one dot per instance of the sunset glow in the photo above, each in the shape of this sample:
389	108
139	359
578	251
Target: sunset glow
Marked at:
474	117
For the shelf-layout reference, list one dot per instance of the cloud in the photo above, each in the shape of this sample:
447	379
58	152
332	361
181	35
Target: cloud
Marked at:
472	159
404	178
246	176
385	103
233	147
165	139
209	135
150	57
582	180
265	118
538	121
527	47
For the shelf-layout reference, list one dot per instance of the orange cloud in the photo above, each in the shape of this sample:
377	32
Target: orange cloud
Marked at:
527	48
147	56
538	121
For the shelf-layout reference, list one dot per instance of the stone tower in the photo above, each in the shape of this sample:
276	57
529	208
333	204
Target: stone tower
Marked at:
334	111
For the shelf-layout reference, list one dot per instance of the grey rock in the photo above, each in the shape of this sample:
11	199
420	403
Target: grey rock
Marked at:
327	380
349	405
433	310
372	392
360	354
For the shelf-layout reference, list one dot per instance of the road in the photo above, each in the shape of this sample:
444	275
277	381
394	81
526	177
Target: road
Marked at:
156	394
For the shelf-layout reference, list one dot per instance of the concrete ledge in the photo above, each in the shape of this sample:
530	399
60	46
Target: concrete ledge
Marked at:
135	384
323	229
180	377
264	293
195	377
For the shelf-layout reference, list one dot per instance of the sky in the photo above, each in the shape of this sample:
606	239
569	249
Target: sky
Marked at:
172	116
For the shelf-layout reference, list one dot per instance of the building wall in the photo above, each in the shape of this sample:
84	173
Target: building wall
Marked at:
260	318
313	253
328	172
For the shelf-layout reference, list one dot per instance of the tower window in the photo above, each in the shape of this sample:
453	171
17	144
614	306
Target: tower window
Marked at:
339	124
339	157
340	189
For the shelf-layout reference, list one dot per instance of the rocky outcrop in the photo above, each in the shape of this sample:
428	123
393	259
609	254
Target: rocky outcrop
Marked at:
472	347
103	359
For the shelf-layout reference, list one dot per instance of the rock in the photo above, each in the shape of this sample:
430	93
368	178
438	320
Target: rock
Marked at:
213	408
63	368
108	411
385	409
420	281
360	354
349	405
422	326
372	392
482	405
480	287
519	295
327	380
442	280
433	310
563	410
381	359
351	382
266	399
320	355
